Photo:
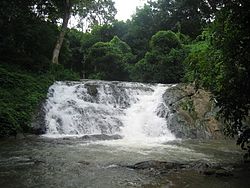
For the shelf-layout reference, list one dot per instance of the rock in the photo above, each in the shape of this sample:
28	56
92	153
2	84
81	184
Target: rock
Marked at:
156	166
38	125
86	163
101	137
92	89
163	167
209	172
223	173
39	131
193	114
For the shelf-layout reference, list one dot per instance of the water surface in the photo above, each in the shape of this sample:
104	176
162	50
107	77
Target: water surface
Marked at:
43	162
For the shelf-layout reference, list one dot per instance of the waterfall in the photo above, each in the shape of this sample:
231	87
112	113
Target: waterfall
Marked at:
135	111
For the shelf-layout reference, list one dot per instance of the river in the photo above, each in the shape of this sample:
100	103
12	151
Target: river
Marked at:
95	129
48	162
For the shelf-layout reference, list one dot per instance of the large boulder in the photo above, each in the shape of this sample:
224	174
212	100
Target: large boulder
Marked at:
192	113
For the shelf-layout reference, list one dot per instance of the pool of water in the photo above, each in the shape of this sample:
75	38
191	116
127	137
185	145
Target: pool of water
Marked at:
66	162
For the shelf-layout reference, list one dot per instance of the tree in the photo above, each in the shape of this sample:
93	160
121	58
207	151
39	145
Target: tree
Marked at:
109	60
26	38
139	30
96	11
164	41
231	35
75	60
185	16
163	62
124	49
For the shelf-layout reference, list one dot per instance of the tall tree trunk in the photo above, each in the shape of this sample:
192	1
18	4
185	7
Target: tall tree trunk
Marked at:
66	16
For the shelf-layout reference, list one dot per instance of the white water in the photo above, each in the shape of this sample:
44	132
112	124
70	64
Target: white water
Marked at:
141	122
131	110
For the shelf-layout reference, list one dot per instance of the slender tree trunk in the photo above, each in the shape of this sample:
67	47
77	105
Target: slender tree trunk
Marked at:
66	16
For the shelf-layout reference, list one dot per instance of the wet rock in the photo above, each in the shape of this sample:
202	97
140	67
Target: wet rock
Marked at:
210	169
223	173
20	161
85	163
217	172
156	167
37	162
40	131
92	89
209	172
101	137
38	123
201	167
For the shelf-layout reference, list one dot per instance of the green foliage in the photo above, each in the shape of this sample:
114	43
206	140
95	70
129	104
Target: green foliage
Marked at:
20	37
108	60
220	63
164	41
25	39
74	55
231	36
180	16
142	71
187	17
122	48
163	63
140	30
203	65
188	105
59	73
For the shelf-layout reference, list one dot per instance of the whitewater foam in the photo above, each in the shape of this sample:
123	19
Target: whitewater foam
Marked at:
100	107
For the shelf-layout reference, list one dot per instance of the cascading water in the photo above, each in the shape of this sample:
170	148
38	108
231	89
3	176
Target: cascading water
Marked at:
135	111
142	121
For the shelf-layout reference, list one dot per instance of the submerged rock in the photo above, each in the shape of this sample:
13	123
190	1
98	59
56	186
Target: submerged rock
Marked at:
201	167
85	163
158	165
223	173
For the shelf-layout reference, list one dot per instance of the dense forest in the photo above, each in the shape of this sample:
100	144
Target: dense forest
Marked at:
203	42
